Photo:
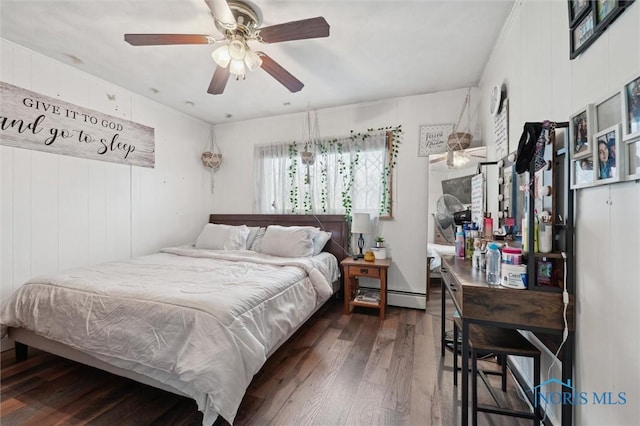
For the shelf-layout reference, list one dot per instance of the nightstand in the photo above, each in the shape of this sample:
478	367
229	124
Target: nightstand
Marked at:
353	295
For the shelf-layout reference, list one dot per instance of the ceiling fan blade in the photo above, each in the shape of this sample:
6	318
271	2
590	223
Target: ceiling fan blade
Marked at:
295	30
222	14
163	39
219	81
283	76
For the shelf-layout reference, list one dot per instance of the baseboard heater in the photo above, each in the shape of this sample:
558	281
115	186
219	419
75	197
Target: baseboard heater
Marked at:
404	299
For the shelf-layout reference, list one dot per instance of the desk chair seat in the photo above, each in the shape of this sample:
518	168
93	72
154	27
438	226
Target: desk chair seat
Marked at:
502	342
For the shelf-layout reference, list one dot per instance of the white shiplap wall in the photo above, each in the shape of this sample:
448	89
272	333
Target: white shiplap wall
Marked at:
532	58
59	212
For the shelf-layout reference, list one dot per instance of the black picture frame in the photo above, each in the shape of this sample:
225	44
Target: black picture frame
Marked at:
584	34
606	10
577	8
588	20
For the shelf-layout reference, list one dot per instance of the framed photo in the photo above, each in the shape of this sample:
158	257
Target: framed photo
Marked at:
582	34
631	109
606	155
608	112
580	132
605	8
544	272
633	159
582	173
576	8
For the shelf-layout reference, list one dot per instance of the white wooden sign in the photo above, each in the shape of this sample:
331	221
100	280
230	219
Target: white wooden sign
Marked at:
501	130
33	121
433	139
477	198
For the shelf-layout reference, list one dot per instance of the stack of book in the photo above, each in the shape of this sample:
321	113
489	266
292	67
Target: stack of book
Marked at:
367	296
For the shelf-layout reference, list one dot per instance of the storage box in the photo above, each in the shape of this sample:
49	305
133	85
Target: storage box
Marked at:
379	252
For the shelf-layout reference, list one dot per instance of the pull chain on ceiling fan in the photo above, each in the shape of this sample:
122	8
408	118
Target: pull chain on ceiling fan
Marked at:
240	22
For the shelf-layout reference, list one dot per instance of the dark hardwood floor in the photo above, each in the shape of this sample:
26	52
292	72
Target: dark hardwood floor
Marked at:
337	370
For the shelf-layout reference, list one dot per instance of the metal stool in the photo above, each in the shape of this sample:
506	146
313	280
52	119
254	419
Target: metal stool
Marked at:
501	342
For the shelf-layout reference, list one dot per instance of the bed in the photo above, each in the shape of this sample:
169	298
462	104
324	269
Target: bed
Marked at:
195	322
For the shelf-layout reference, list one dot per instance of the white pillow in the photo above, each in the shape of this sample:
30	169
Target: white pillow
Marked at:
256	245
223	237
253	231
289	241
321	240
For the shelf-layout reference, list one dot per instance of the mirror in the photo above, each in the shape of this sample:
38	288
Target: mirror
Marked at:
451	173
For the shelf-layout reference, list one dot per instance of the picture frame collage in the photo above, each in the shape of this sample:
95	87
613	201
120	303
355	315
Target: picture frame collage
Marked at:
605	139
588	20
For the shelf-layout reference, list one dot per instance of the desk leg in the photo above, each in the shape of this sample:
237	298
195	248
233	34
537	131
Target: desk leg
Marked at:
464	406
443	313
567	374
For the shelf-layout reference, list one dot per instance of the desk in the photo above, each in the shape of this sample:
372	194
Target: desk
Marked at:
477	302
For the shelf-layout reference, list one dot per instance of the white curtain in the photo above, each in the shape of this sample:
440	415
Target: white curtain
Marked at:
347	174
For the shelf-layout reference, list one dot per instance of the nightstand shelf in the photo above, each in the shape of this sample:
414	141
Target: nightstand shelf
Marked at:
353	270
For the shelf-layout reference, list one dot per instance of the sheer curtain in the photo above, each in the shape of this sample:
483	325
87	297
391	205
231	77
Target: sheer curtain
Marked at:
347	174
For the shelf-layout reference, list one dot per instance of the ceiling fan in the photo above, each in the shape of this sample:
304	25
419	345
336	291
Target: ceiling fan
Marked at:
239	22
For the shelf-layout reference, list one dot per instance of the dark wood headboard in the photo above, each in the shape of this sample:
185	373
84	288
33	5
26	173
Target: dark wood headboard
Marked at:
334	223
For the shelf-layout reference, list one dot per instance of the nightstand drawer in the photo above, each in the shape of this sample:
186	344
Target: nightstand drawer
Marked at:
364	271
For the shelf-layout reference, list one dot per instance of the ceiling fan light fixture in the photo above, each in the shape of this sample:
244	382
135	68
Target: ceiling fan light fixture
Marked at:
221	56
237	68
252	60
237	50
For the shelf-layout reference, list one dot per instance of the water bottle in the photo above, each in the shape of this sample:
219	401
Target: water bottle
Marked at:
460	243
493	265
475	259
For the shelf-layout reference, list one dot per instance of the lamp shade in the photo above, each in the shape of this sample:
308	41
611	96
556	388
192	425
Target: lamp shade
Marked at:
221	56
361	223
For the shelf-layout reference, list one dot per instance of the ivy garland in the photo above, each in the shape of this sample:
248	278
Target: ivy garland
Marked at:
396	140
293	171
346	168
323	177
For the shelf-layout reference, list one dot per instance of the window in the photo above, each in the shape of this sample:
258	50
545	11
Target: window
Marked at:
328	176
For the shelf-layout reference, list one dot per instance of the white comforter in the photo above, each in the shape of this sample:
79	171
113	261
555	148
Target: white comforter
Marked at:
201	321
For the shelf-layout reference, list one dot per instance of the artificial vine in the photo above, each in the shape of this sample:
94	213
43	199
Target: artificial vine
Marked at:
346	170
396	140
293	171
323	177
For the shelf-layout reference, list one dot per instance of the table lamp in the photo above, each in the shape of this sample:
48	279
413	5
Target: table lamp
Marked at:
360	225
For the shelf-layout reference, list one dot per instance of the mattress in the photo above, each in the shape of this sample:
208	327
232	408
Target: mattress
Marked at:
200	321
436	251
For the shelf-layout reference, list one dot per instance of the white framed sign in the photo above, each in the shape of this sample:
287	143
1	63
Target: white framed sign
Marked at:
477	198
433	139
33	121
501	130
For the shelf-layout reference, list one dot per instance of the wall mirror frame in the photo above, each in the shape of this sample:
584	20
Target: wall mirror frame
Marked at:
453	180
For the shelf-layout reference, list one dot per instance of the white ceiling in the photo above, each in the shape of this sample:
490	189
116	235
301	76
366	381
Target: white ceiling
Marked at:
376	50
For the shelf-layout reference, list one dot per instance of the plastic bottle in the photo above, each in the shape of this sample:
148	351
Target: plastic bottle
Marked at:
466	230
525	233
535	233
493	265
473	234
475	259
460	243
488	227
